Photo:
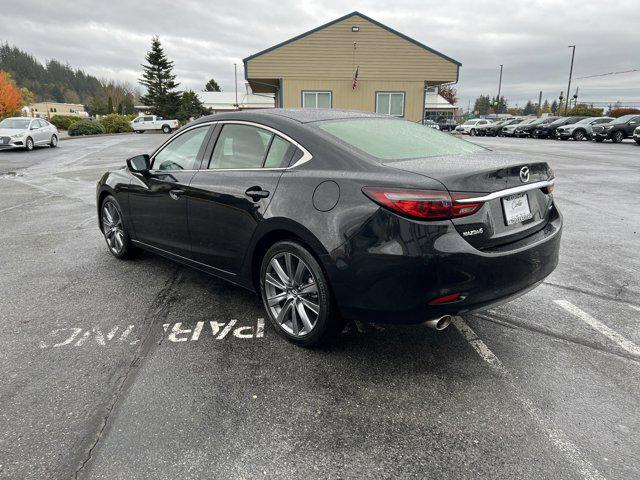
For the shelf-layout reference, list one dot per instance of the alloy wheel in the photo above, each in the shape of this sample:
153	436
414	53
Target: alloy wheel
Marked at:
112	227
291	293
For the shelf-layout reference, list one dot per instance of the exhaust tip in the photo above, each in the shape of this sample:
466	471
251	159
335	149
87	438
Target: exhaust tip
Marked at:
439	323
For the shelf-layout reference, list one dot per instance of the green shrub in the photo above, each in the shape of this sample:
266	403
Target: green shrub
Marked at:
114	123
85	127
64	122
584	111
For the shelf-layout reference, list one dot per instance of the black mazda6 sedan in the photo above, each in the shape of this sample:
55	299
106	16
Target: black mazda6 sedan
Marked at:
334	215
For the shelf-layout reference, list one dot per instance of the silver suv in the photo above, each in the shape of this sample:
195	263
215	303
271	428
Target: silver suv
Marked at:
582	129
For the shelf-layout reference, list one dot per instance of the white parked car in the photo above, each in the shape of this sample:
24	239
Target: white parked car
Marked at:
470	127
27	132
152	122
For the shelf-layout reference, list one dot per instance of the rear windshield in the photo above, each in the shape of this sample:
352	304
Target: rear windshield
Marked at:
391	140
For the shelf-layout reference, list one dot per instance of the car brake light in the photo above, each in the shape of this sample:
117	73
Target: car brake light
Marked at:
454	297
422	204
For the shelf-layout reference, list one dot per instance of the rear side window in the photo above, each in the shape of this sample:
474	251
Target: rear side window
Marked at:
279	153
394	140
240	146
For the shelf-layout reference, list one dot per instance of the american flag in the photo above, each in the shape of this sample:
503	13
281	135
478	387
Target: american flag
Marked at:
355	79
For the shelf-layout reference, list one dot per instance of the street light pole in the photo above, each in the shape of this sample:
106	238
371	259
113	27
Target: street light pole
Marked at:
573	52
499	88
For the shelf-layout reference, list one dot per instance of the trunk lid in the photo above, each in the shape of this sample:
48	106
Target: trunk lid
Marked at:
501	220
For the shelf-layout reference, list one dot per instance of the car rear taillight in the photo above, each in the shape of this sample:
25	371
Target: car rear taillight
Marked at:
549	188
422	204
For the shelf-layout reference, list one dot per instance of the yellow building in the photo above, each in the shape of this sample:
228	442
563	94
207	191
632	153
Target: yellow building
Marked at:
49	109
353	63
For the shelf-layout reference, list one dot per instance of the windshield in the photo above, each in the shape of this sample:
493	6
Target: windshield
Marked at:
559	121
587	120
624	119
394	140
15	123
470	122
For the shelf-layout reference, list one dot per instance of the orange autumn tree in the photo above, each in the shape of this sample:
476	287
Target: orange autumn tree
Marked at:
10	98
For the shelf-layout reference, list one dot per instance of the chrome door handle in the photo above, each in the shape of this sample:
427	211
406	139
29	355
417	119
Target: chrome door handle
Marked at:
176	194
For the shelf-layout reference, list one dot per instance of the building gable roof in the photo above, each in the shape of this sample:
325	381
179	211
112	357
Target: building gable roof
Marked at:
349	15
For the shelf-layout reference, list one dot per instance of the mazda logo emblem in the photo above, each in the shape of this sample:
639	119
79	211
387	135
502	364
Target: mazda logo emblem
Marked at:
524	174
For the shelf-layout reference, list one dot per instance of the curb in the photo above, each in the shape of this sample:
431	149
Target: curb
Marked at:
60	139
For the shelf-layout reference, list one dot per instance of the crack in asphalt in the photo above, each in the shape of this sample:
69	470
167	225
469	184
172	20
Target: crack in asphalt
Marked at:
518	323
156	313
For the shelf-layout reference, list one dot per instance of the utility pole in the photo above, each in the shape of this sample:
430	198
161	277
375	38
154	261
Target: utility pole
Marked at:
235	74
540	104
499	85
573	52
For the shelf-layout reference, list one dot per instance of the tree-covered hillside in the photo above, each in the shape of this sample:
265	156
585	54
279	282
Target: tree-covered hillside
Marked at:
53	81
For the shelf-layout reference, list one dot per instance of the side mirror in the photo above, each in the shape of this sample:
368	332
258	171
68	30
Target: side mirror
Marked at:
139	164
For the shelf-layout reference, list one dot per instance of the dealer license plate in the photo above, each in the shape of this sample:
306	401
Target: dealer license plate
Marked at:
516	208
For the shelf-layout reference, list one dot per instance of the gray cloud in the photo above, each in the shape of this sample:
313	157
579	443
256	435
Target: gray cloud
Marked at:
109	39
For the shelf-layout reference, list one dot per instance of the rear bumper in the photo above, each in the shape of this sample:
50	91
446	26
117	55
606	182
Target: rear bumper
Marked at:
379	276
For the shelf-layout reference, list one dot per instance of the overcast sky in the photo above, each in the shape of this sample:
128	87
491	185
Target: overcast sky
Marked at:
110	38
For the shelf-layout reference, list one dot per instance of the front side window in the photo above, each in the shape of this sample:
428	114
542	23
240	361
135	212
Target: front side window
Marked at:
390	103
316	99
392	140
240	146
181	153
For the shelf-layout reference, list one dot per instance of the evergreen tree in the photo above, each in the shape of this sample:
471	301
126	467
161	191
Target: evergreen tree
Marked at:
482	105
212	86
190	106
109	105
160	83
499	105
554	107
546	108
529	108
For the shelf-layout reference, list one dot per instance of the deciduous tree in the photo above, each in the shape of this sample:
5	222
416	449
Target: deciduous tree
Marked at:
10	98
449	93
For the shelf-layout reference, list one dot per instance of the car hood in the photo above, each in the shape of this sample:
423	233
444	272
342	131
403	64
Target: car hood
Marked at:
9	132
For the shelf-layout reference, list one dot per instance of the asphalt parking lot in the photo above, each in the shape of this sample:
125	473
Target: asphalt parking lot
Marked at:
146	369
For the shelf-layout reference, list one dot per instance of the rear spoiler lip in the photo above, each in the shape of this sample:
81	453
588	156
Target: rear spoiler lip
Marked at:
508	191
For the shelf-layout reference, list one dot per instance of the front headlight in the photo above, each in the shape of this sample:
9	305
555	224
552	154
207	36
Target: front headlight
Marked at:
18	135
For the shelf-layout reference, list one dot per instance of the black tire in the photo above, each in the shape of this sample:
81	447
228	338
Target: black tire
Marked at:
54	141
28	144
579	135
166	129
127	250
472	132
289	300
637	141
138	131
618	136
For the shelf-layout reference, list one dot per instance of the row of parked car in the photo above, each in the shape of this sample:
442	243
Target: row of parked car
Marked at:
563	128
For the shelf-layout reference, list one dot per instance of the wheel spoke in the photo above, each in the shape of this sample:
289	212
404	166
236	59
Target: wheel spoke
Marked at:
294	319
300	271
284	278
276	299
118	238
275	282
282	316
308	288
288	266
314	307
302	313
107	214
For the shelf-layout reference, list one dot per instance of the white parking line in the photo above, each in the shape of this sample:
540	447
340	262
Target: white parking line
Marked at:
635	308
558	438
627	345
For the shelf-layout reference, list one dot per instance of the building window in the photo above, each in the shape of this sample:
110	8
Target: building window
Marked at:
316	99
390	103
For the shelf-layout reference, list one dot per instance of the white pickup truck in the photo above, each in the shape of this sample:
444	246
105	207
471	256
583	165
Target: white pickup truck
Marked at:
151	122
